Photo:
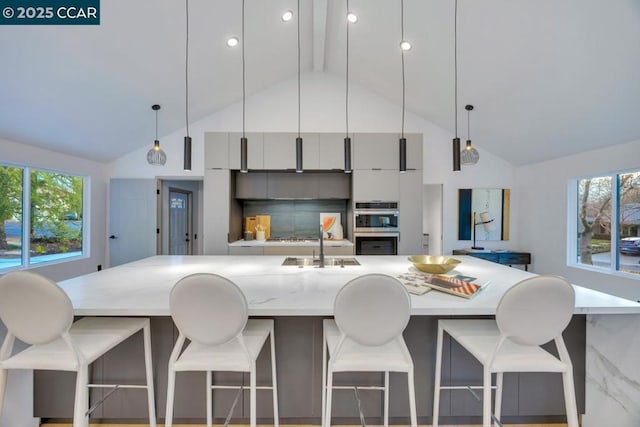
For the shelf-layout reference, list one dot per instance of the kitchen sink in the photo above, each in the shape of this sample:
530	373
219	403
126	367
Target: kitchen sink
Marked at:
315	262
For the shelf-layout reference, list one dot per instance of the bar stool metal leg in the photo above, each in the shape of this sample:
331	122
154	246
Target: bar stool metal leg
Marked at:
81	405
274	382
171	385
438	377
412	399
386	399
149	374
498	403
209	397
252	392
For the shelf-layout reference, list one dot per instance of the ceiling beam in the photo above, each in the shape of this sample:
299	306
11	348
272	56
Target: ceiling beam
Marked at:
319	33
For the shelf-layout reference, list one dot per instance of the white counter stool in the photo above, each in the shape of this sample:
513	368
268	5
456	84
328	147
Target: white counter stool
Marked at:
371	311
37	311
212	312
531	313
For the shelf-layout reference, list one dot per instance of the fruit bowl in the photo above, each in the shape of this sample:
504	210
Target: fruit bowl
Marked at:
434	264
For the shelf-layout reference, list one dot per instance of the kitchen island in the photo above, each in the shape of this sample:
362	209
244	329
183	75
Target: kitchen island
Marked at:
300	297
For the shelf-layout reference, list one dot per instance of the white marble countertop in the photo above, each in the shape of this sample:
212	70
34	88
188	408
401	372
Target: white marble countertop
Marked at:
246	243
142	287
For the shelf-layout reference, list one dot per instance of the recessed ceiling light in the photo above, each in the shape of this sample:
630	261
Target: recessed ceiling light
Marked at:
232	42
405	45
352	17
287	16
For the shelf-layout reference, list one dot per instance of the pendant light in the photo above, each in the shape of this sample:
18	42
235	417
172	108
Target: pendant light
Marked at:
243	141
403	140
156	156
187	139
456	140
299	138
347	139
469	155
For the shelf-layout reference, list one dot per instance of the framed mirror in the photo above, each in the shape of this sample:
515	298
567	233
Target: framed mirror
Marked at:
489	207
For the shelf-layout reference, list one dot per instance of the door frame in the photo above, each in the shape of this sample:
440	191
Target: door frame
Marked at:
189	195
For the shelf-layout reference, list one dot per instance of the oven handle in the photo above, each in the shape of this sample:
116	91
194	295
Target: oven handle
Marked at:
376	234
377	212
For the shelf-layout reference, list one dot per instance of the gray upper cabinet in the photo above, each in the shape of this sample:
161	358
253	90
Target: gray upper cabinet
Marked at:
280	151
292	186
255	147
414	150
332	151
335	185
382	185
376	151
251	185
216	150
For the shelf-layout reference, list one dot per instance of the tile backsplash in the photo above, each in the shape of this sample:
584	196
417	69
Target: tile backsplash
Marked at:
295	218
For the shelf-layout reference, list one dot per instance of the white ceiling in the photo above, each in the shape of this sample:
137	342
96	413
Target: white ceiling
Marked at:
548	78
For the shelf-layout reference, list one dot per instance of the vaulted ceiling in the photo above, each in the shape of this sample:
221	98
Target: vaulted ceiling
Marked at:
547	78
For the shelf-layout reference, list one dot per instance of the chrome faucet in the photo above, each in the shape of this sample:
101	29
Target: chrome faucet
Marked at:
321	259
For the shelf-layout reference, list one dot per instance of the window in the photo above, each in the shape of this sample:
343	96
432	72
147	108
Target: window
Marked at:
41	219
607	220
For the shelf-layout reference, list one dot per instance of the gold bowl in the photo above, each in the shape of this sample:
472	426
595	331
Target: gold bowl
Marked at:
434	264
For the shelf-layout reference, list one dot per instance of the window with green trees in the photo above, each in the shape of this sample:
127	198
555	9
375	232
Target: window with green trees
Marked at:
608	222
43	208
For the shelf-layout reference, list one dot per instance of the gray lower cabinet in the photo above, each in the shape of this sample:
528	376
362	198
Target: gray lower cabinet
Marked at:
246	250
527	397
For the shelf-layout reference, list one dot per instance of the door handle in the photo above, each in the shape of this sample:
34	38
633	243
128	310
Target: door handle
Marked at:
112	237
187	240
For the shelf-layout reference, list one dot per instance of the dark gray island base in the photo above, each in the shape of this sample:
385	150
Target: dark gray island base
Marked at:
528	398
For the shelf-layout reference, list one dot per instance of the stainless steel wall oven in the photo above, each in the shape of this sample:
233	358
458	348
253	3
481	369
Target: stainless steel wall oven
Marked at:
376	227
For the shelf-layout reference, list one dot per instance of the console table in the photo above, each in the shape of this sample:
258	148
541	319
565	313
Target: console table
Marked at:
507	258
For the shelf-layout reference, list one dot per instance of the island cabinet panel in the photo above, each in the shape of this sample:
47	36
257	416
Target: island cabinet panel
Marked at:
332	151
255	150
376	151
216	150
410	241
381	185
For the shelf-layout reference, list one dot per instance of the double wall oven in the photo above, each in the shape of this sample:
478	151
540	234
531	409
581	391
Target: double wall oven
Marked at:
376	228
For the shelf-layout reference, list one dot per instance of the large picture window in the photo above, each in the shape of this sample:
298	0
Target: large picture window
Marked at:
608	222
41	216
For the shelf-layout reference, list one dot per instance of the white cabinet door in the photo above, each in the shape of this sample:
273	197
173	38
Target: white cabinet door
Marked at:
216	211
380	185
280	151
414	151
216	150
410	242
376	151
332	151
254	150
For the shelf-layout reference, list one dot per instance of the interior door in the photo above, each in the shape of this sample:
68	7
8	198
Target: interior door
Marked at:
180	222
132	220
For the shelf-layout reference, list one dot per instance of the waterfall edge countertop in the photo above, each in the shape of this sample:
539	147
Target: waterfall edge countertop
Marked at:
141	288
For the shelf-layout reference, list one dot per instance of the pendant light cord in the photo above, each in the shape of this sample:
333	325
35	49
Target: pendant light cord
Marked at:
346	102
156	125
243	75
298	68
468	125
402	53
455	63
186	68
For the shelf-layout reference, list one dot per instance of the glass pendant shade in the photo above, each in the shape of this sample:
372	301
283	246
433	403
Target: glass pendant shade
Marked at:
156	156
469	156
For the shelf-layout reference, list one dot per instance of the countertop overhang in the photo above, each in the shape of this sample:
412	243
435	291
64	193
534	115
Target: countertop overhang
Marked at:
141	288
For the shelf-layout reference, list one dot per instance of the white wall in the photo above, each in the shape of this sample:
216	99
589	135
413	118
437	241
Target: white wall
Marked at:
22	154
543	213
275	110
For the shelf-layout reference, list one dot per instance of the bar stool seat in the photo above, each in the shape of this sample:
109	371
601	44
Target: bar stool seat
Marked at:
355	357
229	356
480	338
91	336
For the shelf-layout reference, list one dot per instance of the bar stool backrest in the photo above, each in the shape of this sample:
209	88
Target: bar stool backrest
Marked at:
208	308
536	310
372	309
34	308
